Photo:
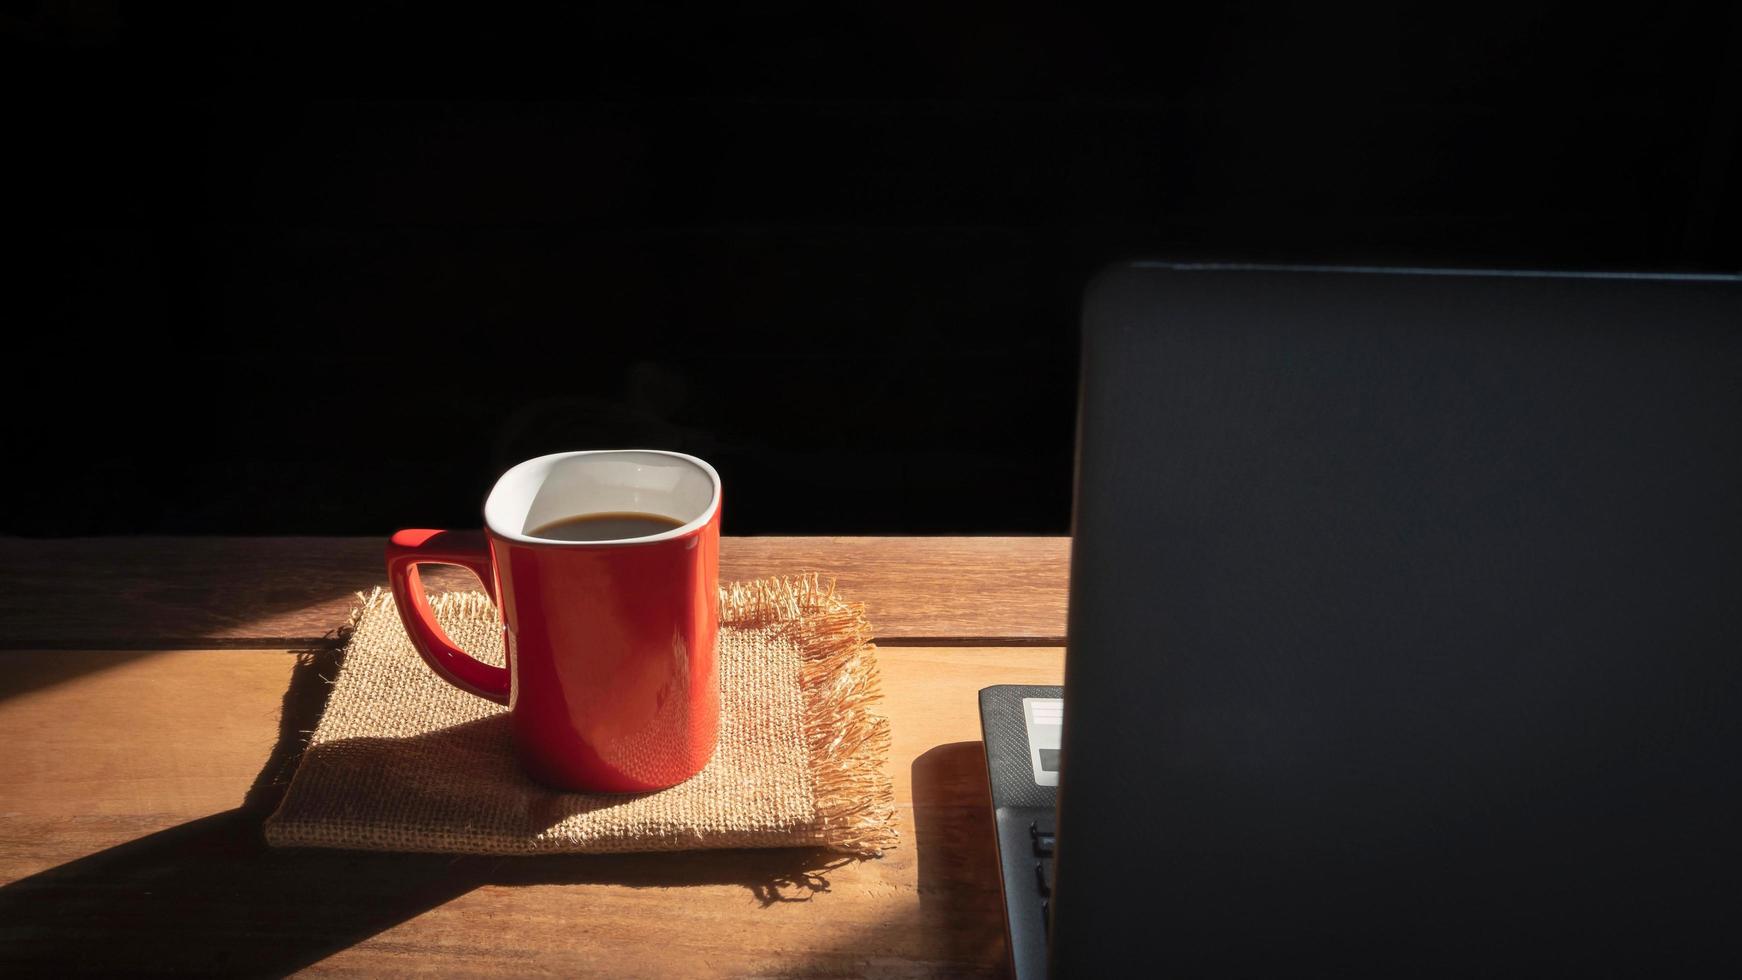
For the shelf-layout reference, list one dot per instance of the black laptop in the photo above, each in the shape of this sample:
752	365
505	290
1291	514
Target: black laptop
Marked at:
1405	633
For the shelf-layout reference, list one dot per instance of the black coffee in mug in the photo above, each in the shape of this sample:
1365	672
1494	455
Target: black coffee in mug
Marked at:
606	527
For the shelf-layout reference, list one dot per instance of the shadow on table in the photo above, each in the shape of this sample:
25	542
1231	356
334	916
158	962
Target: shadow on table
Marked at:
959	893
81	653
210	897
26	675
956	928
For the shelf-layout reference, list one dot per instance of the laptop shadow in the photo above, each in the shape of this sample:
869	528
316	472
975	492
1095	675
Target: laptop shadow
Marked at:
959	891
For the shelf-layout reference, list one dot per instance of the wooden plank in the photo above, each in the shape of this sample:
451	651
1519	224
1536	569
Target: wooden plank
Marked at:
87	593
129	839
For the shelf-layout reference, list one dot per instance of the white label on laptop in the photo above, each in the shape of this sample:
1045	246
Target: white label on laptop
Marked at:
1045	719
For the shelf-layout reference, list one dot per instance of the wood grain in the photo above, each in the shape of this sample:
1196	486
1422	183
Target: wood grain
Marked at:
130	802
115	593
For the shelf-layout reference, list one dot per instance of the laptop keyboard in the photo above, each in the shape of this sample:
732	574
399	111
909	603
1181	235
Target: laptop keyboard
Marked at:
1023	728
1044	838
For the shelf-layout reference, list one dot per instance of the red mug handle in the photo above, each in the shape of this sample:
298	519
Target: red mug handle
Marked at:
468	549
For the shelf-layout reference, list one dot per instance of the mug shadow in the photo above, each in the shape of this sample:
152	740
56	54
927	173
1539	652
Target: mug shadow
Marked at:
377	774
209	896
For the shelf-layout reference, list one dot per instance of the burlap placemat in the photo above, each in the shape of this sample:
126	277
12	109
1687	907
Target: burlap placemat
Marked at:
403	761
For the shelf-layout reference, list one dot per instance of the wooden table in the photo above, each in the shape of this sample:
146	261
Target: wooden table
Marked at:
151	686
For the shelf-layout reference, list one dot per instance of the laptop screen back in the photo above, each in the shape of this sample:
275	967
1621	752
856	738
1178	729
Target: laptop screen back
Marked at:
1406	624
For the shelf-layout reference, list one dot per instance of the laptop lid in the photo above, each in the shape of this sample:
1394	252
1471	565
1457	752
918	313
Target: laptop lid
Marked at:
1405	624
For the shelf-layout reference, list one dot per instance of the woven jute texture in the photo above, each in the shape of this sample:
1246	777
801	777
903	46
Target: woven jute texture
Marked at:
402	761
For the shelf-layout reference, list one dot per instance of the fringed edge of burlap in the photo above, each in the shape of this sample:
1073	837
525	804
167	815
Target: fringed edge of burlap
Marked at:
465	603
847	740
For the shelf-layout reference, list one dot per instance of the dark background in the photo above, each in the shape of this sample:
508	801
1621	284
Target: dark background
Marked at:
292	270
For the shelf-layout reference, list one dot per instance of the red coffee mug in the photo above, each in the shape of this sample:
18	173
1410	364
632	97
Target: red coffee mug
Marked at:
611	683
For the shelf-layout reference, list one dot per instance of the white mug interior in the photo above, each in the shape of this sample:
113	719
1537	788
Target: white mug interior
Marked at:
551	488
